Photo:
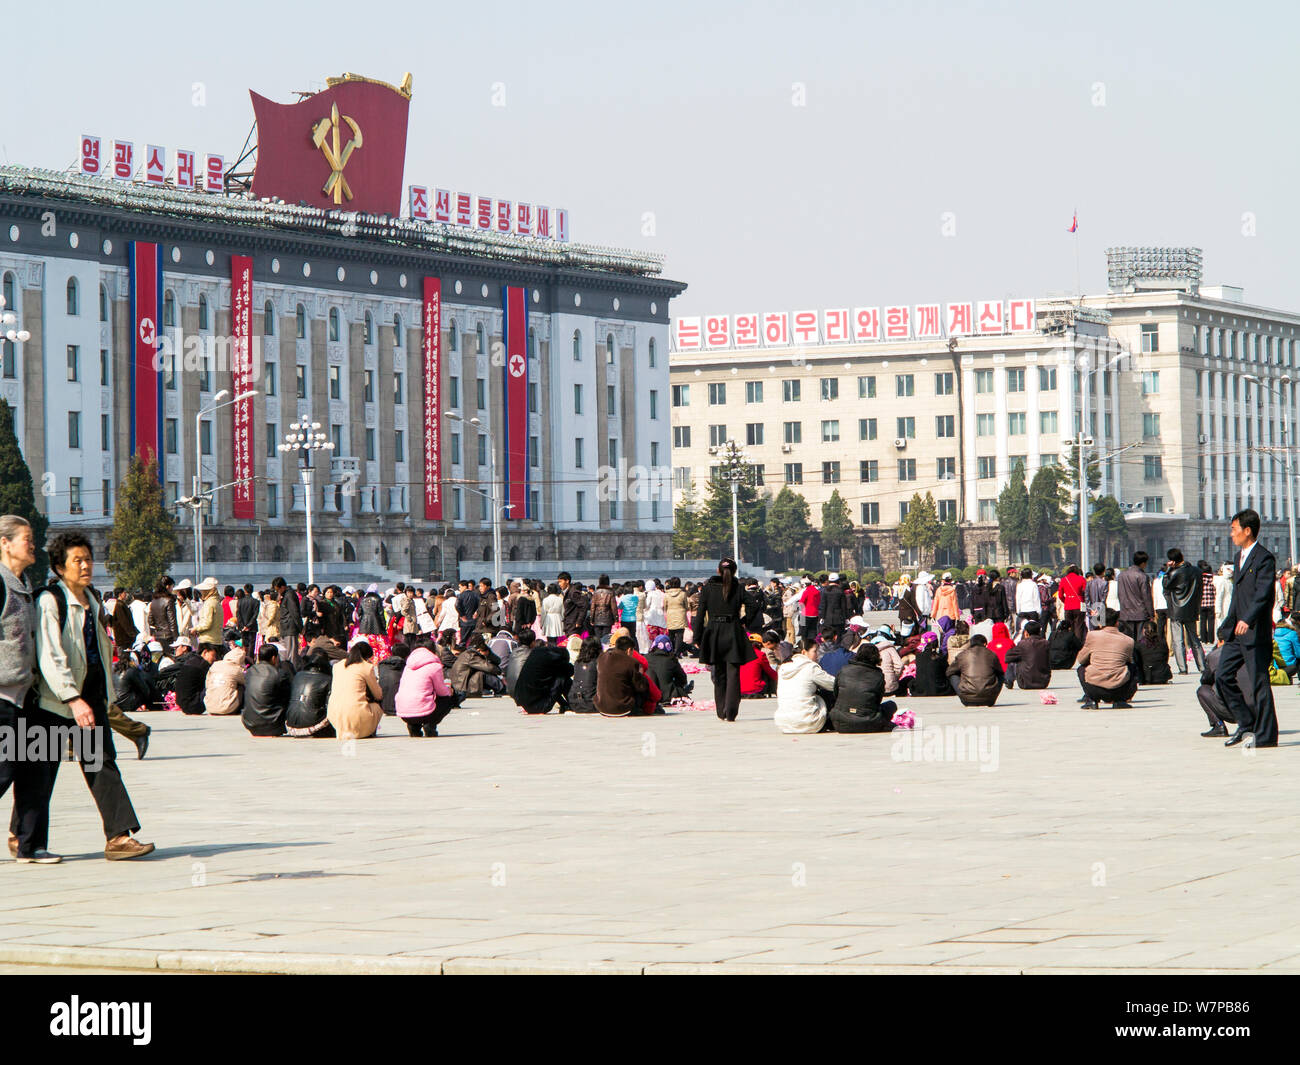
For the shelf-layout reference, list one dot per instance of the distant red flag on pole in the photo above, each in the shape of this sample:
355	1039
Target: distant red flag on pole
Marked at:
1074	225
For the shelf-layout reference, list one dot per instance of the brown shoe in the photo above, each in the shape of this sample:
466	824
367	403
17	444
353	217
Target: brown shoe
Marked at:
126	847
13	845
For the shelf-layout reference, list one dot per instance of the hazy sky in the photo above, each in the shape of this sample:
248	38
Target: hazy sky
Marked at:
791	155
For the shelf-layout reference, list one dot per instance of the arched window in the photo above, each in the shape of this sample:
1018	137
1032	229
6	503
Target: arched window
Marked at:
460	553
397	330
103	303
514	554
652	353
480	340
203	311
577	345
370	328
580	553
72	296
532	342
214	552
609	348
349	552
453	337
245	554
334	323
435	561
169	309
537	555
487	554
10	293
301	315
383	554
654	554
618	551
268	319
277	553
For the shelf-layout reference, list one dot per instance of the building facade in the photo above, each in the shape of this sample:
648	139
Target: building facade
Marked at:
1183	435
337	322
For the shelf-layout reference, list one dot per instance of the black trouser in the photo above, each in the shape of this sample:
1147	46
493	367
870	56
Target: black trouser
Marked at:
1077	623
601	632
676	636
1120	694
1131	629
558	692
1207	625
1261	719
32	783
428	725
726	689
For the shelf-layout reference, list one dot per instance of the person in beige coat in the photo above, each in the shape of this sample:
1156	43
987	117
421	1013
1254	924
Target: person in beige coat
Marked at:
223	691
206	627
268	618
355	707
675	612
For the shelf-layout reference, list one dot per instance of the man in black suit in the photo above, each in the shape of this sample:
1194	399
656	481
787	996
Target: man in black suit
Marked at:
1247	635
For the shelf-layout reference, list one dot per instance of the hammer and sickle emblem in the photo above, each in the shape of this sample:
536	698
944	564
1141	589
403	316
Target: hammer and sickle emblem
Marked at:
336	154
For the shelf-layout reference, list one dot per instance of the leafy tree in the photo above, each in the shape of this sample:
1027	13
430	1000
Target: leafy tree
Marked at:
715	519
837	524
686	525
1013	512
1049	511
920	528
788	528
1106	526
950	537
143	538
17	494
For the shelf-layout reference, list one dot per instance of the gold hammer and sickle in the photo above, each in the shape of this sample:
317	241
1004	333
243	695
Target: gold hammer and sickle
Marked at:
337	184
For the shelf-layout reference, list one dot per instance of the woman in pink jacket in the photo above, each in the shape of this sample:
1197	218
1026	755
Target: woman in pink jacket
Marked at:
424	697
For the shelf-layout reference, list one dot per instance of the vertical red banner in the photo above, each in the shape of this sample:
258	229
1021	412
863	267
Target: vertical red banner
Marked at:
241	331
145	261
432	320
515	303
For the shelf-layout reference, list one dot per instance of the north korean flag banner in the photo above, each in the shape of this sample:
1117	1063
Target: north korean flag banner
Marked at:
432	322
516	401
145	264
241	328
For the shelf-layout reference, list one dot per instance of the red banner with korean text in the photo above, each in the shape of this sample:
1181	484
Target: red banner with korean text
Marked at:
515	303
145	260
432	321
241	331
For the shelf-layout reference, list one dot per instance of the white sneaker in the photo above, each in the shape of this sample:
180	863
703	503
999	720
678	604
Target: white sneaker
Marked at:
41	858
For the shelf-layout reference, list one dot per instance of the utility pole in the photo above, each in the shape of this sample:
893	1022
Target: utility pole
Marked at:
735	466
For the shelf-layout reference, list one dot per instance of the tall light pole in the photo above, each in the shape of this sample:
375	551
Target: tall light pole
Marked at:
492	496
1285	379
735	463
306	438
1083	442
196	498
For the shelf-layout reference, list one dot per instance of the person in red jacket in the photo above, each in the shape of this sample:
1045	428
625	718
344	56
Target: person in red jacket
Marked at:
1070	592
652	700
757	677
811	600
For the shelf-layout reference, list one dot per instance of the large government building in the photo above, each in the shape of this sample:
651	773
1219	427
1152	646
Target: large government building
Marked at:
337	320
1186	391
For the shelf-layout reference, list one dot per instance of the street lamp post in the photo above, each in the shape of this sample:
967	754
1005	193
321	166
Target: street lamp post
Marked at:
306	438
196	498
492	496
1285	379
734	464
1083	442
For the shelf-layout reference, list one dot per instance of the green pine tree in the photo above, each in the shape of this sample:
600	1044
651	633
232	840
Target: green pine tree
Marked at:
837	524
143	538
1049	511
1106	526
920	528
686	525
17	494
950	540
788	529
1013	512
715	519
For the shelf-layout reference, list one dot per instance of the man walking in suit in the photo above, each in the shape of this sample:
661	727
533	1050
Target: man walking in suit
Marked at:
1247	635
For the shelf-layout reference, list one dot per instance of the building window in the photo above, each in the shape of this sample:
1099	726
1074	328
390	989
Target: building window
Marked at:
581	500
868	471
830	388
268	319
1047	421
1152	467
104	435
169	309
1150	383
947	510
1016	380
653	357
988	510
1048	460
532	397
609	348
457	510
654	405
103	303
830	432
1047	379
681	478
534	452
399	445
907	469
943	384
10	359
334	323
74	495
870	513
336	437
681	436
792	432
73	301
790	391
753	391
272	439
654	453
370	445
453	391
300	320
717	435
577	452
904	385
946	469
336	382
1016	423
866	428
397	330
1150	425
1150	336
907	428
301	381
577	399
74	363
480	393
866	388
983	382
368	389
945	425
577	345
754	434
455	448
1153	504
1018	460
718	394
74	428
107	492
984	425
986	467
903	508
205	438
481	441
830	473
611	401
170	427
681	395
272	500
794	473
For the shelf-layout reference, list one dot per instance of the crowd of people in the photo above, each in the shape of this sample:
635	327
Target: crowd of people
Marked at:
307	661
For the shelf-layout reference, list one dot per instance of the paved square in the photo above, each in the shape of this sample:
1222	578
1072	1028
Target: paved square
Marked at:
1052	838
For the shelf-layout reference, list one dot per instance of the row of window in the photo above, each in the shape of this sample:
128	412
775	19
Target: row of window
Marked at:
945	427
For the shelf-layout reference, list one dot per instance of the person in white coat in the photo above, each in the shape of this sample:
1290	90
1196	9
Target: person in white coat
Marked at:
1222	594
799	706
553	614
924	593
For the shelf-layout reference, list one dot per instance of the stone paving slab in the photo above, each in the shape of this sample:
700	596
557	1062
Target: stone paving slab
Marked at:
1024	838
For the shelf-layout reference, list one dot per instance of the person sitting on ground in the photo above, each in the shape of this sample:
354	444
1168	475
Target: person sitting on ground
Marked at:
1288	643
539	675
188	677
667	672
329	647
801	708
1277	673
622	689
1216	712
1063	648
771	641
503	645
859	696
838	653
423	697
931	677
1105	666
582	695
224	685
959	639
1000	642
891	663
477	671
445	649
355	704
309	696
574	644
758	677
1153	656
1030	657
389	672
132	691
979	673
266	693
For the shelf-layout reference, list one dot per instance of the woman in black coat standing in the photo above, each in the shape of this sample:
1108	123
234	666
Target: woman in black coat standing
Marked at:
720	634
